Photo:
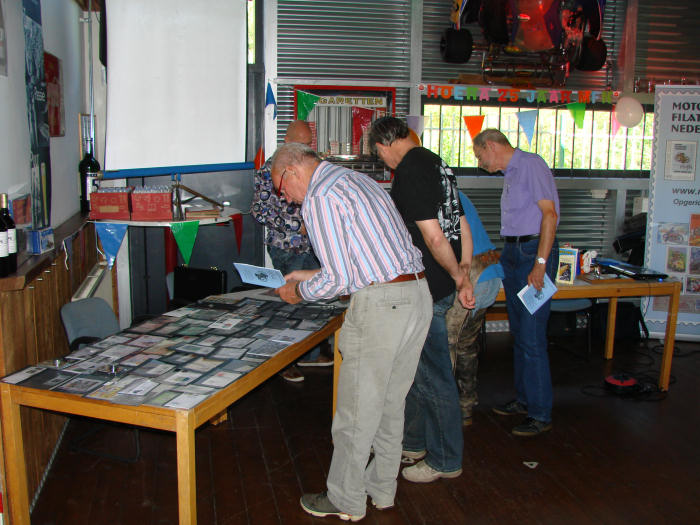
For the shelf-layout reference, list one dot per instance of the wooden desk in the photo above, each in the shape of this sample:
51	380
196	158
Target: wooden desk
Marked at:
182	422
612	289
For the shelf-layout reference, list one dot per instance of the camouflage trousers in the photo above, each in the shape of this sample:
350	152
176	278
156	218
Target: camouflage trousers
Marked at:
463	337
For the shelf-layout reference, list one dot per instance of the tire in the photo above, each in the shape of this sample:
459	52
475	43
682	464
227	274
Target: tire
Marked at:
456	45
594	53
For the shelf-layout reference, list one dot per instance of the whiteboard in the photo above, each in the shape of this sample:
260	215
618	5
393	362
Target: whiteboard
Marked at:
176	83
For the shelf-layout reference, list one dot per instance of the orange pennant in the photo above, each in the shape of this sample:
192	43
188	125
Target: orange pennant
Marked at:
259	158
474	124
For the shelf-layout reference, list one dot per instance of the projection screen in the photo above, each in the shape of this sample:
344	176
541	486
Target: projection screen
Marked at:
176	83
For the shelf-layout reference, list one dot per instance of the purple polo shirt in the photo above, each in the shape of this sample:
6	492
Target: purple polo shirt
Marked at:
528	180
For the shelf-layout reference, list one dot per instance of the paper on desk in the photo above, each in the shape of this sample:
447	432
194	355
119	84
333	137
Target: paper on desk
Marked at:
260	276
533	299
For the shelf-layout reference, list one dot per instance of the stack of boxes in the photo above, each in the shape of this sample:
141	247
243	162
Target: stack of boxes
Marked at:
147	203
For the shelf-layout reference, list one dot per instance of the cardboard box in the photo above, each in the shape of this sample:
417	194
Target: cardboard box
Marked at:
40	241
110	205
151	206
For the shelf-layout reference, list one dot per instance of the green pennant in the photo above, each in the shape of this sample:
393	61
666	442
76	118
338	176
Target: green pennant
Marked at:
305	103
578	112
185	233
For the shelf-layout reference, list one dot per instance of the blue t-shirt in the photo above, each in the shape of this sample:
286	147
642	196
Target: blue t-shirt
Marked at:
480	238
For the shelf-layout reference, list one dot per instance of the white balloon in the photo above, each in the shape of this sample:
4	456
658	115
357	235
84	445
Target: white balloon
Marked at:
628	112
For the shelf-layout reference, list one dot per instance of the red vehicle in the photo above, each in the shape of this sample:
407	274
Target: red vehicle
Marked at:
543	38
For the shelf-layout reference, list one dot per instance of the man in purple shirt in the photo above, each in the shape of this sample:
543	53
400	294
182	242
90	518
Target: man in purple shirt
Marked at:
366	251
529	218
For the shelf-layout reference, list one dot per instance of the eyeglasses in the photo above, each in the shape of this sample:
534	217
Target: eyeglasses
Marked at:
279	188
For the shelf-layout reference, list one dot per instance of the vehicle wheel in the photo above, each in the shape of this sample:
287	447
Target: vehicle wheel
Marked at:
593	54
456	45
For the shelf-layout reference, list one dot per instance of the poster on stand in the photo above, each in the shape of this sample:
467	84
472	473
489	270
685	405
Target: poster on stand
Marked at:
673	223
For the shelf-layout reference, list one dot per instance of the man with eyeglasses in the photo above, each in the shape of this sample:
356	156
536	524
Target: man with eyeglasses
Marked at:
286	239
365	252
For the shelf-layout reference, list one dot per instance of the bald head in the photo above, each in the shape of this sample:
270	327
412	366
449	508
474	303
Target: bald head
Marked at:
298	131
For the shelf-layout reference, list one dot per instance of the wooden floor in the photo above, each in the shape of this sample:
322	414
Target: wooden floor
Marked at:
609	459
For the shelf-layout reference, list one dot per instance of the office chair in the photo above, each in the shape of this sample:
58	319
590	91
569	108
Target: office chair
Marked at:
87	321
571	306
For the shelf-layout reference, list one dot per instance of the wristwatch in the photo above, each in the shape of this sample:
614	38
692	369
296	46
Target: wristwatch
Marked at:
541	260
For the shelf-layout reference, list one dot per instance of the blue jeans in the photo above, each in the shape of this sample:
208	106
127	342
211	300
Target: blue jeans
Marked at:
433	416
287	262
533	381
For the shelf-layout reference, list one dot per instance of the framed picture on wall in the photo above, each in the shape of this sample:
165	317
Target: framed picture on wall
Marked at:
340	116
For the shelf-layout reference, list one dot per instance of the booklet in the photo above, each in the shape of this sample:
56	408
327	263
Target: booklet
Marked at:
533	299
260	276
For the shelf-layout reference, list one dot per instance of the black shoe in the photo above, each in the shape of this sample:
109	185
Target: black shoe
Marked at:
320	506
510	409
531	427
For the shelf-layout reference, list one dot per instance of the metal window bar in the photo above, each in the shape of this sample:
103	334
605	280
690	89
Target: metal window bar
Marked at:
462	155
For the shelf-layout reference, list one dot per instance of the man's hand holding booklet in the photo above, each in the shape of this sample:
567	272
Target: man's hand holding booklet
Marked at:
260	276
533	298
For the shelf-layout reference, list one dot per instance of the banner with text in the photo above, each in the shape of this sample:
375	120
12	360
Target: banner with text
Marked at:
673	223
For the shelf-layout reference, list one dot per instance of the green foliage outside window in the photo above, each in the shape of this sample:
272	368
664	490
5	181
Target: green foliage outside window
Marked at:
592	148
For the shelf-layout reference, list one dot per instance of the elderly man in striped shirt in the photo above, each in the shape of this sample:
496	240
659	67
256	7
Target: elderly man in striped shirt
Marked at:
365	251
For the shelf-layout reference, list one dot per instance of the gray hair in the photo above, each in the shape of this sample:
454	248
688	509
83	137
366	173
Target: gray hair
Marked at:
490	135
293	153
386	130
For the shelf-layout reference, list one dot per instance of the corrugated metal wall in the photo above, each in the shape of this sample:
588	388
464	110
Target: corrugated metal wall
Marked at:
667	42
436	20
346	39
342	39
583	223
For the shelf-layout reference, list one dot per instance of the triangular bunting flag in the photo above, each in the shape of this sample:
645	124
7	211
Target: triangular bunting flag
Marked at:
237	220
474	124
527	123
270	99
305	103
259	158
416	123
185	233
170	248
111	237
578	112
615	125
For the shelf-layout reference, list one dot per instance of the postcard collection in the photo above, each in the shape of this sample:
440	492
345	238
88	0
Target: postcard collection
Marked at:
179	359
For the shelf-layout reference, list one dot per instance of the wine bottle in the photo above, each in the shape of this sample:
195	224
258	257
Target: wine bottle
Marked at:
11	234
89	169
3	250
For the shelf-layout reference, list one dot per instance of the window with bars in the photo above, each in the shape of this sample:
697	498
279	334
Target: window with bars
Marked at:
594	150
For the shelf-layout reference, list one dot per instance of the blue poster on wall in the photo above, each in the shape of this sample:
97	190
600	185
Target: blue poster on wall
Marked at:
673	229
37	114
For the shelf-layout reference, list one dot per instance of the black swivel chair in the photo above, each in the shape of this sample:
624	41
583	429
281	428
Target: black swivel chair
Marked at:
571	307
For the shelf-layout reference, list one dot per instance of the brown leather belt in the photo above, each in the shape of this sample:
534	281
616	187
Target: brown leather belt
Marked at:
405	277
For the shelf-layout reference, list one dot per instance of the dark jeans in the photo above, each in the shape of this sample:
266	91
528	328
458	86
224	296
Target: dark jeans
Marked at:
533	382
433	417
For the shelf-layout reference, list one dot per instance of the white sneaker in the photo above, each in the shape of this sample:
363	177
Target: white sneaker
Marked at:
421	472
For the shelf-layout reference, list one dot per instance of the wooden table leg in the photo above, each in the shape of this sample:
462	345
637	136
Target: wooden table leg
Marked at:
610	331
186	481
670	338
15	466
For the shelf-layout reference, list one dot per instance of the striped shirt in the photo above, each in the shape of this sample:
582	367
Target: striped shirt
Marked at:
356	232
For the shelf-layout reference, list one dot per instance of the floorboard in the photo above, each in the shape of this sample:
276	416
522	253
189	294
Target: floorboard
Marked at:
609	459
